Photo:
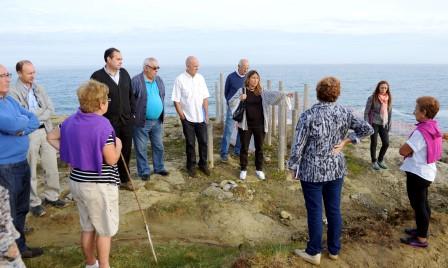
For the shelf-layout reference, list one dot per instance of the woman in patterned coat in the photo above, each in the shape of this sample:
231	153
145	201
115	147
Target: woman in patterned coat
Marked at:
317	160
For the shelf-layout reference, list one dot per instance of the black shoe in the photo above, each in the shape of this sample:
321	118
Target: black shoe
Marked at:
192	172
205	170
163	173
38	211
58	203
32	253
145	177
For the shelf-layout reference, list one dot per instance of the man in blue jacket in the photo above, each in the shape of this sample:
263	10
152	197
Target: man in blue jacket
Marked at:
15	125
149	94
234	82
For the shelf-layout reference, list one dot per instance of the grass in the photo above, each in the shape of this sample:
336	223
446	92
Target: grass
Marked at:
174	254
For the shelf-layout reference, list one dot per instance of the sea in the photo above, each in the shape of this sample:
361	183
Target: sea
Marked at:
358	81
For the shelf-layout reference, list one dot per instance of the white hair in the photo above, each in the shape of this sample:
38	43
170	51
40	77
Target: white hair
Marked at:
149	60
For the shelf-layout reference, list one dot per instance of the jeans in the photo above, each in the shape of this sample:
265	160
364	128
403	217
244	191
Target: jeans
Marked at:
384	136
16	179
417	189
154	132
124	132
330	191
258	141
193	131
225	142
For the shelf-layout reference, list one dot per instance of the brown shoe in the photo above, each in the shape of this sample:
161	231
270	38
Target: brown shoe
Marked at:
127	186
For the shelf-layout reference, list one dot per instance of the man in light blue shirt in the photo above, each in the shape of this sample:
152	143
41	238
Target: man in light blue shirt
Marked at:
149	92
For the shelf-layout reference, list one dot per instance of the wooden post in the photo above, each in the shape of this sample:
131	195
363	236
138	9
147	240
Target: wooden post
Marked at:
210	144
218	104
269	134
221	97
295	115
281	131
305	97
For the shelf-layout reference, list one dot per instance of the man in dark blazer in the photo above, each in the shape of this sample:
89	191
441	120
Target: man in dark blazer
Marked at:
121	112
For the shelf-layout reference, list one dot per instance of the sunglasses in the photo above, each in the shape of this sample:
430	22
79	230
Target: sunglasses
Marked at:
6	75
154	68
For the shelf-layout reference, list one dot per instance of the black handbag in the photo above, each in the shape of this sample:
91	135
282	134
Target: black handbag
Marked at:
238	114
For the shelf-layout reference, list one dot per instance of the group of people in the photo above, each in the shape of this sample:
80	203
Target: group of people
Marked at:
115	109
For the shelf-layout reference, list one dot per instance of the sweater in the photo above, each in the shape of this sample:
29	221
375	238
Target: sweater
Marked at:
15	124
233	82
121	109
433	138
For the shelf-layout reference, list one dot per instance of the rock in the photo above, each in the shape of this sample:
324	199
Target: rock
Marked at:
285	215
217	192
175	178
161	186
228	185
242	193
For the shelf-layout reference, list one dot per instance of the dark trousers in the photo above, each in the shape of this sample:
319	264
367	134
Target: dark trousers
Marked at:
417	188
330	191
384	136
193	131
16	178
124	132
245	136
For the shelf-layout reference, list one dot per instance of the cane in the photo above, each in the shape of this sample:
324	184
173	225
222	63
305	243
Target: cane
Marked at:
140	208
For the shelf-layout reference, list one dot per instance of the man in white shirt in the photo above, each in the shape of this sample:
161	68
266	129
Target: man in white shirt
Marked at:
190	97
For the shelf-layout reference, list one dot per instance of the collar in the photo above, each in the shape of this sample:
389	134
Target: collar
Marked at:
105	69
238	73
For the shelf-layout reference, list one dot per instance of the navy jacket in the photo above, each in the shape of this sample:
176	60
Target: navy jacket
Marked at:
139	91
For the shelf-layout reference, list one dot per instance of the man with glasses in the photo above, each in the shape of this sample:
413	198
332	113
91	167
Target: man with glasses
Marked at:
34	98
15	125
121	106
234	82
149	94
190	97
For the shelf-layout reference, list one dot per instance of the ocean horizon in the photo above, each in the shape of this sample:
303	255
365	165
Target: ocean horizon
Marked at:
407	82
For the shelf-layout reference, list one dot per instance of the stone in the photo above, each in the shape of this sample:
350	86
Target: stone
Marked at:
285	215
228	185
217	192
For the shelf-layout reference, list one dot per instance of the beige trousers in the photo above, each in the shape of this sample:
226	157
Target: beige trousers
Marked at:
41	149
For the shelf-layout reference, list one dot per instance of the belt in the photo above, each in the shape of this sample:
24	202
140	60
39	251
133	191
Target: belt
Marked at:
42	126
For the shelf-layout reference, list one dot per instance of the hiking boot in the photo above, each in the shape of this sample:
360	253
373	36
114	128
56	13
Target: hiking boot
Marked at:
163	173
32	253
127	186
38	211
192	172
224	159
414	242
411	231
260	175
243	175
205	170
58	203
313	259
375	166
382	165
333	257
145	177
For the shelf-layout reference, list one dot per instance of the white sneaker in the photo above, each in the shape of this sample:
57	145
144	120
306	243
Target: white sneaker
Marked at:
260	175
333	257
243	175
95	265
314	259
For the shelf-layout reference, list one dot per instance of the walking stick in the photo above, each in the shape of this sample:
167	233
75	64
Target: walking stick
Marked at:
139	207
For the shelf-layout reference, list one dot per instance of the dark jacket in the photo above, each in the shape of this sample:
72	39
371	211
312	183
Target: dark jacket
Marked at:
139	92
121	109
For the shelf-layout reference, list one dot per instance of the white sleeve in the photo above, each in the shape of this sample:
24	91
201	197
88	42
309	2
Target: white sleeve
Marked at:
416	141
205	89
176	91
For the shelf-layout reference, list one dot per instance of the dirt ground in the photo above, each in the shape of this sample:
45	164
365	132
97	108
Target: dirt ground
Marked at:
375	210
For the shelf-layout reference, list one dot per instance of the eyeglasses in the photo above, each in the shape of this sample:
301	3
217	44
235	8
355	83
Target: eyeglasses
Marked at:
154	68
6	75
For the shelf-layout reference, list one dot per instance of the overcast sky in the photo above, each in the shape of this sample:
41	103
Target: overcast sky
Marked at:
76	33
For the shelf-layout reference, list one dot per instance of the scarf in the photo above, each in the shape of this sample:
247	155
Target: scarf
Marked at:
433	138
83	136
384	112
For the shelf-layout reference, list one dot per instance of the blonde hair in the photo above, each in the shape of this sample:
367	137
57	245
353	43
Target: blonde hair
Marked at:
91	94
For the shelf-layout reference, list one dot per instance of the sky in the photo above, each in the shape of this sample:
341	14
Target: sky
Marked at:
76	33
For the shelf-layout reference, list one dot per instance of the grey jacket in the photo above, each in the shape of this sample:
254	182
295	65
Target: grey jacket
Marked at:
372	113
268	97
45	109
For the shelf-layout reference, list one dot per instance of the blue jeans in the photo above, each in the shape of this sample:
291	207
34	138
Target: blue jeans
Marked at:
225	142
313	193
152	131
17	179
